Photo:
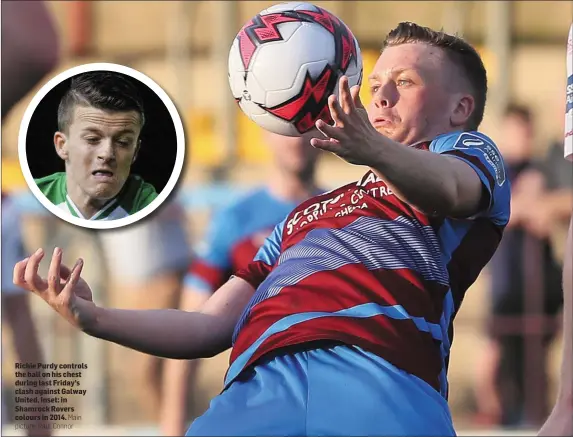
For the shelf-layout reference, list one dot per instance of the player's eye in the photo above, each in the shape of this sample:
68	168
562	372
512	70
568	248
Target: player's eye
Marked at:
92	140
403	82
374	89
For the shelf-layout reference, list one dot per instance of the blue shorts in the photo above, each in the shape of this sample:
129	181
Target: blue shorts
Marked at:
340	390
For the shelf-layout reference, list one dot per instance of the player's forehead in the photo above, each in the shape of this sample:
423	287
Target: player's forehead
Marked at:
92	118
420	58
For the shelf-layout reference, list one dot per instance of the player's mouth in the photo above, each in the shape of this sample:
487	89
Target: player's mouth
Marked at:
381	122
103	175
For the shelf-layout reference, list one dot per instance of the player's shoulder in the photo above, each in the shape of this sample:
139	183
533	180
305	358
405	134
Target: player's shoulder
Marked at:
54	178
53	186
461	140
137	194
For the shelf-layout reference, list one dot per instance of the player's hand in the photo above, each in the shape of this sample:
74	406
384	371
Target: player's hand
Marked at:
352	137
64	289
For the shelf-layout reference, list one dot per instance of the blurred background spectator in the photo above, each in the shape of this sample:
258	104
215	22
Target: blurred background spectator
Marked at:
183	46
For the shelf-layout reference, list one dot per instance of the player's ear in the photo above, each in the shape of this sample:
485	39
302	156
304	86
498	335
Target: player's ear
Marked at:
61	145
137	147
462	111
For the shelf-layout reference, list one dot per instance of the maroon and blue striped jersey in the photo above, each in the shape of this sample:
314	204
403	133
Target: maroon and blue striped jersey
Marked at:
358	265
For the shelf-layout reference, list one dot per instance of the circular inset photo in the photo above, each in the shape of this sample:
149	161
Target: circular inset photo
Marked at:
101	146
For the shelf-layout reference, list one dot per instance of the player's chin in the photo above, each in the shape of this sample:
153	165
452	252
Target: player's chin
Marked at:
387	131
105	191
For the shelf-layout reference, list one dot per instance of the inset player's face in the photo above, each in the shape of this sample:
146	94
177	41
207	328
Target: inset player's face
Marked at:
99	149
416	94
294	155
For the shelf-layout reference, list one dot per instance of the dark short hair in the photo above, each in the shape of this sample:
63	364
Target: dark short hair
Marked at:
460	53
520	111
106	90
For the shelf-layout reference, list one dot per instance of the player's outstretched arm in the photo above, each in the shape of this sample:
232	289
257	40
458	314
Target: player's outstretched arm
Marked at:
165	333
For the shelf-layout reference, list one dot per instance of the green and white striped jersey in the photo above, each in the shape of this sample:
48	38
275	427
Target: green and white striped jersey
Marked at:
135	195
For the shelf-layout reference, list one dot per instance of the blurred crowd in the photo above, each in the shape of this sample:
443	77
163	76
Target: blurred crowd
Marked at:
173	260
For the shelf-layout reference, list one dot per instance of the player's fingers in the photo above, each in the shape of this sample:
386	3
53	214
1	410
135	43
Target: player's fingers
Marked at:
31	277
329	131
346	102
336	111
65	272
18	274
73	279
355	93
328	145
54	272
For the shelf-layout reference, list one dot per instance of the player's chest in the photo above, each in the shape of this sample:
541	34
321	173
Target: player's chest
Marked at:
370	197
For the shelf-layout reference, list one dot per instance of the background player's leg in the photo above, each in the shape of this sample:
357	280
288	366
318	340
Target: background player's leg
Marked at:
178	378
486	388
560	421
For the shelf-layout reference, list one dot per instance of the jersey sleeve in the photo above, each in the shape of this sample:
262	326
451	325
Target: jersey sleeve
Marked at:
265	259
212	264
483	156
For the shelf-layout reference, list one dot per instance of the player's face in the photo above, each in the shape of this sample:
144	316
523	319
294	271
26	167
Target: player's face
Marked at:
413	94
294	155
99	149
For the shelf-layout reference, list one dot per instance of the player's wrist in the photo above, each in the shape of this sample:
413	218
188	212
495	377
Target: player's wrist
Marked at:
91	318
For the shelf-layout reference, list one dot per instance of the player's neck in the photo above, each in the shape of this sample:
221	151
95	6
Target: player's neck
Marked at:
86	205
291	187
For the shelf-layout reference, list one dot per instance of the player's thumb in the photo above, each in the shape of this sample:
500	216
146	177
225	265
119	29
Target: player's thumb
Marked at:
355	93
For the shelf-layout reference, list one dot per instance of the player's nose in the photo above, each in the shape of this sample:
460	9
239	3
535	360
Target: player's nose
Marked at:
385	96
106	151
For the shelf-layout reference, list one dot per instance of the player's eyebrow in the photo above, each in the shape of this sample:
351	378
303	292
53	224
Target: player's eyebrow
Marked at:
392	72
99	132
374	76
92	130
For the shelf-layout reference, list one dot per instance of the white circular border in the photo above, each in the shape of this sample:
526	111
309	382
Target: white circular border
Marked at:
179	159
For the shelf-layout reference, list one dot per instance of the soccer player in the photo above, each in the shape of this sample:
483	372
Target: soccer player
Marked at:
231	242
99	122
342	324
560	421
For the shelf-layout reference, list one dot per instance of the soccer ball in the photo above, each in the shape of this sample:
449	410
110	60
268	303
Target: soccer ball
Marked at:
287	61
